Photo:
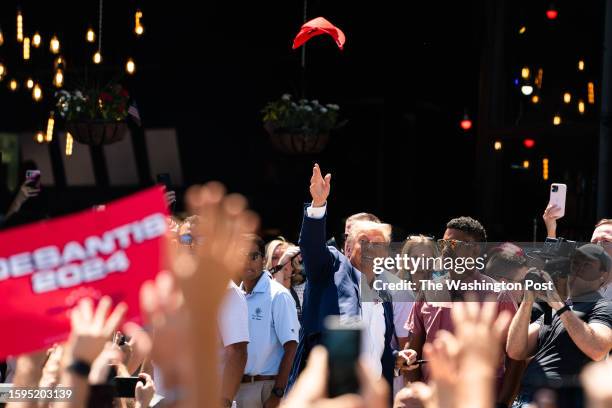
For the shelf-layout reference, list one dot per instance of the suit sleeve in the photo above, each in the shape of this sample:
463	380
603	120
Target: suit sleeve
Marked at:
316	255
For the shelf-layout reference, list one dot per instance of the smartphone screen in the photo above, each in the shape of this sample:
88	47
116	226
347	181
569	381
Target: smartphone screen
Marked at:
33	178
125	387
557	197
343	344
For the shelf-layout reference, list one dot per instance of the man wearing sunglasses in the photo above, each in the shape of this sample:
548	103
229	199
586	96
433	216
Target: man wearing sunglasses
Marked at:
273	331
580	331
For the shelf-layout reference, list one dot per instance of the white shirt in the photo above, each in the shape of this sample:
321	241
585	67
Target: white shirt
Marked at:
233	317
373	337
273	321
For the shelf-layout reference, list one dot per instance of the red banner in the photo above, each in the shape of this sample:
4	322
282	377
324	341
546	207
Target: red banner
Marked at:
47	267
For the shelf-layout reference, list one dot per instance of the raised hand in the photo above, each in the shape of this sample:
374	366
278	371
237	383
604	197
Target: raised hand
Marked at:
91	329
319	187
550	216
144	393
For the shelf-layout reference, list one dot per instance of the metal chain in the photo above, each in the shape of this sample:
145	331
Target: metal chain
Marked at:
100	27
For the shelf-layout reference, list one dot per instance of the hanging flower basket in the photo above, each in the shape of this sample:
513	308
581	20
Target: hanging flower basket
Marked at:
295	143
301	127
97	133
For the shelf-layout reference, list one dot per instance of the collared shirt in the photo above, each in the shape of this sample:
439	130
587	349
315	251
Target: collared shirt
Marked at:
273	322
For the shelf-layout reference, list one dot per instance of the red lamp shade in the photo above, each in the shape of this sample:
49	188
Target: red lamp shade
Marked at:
529	143
552	14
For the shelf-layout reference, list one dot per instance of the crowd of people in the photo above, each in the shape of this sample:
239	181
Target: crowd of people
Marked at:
236	322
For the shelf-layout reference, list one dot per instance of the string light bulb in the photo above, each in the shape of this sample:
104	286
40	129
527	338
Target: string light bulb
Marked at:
36	40
26	48
138	28
97	58
69	143
2	70
54	45
538	78
58	78
50	123
19	26
527	90
591	92
91	35
1	37
30	83
545	169
13	85
567	97
525	164
40	137
497	145
557	120
581	106
37	92
525	72
522	30
581	65
59	62
535	99
130	66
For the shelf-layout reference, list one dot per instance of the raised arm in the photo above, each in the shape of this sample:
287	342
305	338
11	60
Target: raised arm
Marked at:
315	253
522	336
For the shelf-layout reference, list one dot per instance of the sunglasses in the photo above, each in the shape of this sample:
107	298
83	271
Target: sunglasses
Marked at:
455	243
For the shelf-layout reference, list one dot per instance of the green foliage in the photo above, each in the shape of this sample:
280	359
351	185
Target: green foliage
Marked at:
304	116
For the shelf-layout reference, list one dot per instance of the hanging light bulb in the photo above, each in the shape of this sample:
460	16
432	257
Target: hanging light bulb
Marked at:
26	48
97	58
19	26
37	92
525	72
40	137
138	28
58	79
545	169
535	99
591	92
567	97
54	45
525	164
59	62
497	145
1	37
130	66
466	123
581	106
50	123
552	12
36	40
527	89
69	142
522	30
13	85
2	70
30	83
91	35
557	120
581	65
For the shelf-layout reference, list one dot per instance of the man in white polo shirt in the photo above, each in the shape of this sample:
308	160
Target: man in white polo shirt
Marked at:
273	330
234	333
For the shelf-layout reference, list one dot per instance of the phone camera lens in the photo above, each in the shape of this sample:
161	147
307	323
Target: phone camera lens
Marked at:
555	189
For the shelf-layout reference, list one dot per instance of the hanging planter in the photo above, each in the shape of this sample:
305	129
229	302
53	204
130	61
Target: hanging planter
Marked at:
95	117
301	127
96	133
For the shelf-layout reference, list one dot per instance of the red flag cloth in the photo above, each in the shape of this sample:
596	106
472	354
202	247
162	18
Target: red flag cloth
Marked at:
316	27
47	267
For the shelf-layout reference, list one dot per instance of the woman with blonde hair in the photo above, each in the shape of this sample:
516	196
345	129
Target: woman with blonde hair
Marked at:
274	250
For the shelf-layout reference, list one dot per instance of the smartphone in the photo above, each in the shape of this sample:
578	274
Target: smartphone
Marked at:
32	178
125	387
343	343
557	197
164	178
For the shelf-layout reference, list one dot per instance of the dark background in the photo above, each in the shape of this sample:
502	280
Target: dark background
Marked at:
409	72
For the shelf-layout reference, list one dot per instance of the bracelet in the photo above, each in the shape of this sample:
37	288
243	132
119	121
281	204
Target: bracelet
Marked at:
563	310
80	368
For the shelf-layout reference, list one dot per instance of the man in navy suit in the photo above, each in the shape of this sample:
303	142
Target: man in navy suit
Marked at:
332	282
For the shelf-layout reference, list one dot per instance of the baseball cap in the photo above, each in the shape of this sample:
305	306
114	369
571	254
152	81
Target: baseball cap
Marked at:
596	253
